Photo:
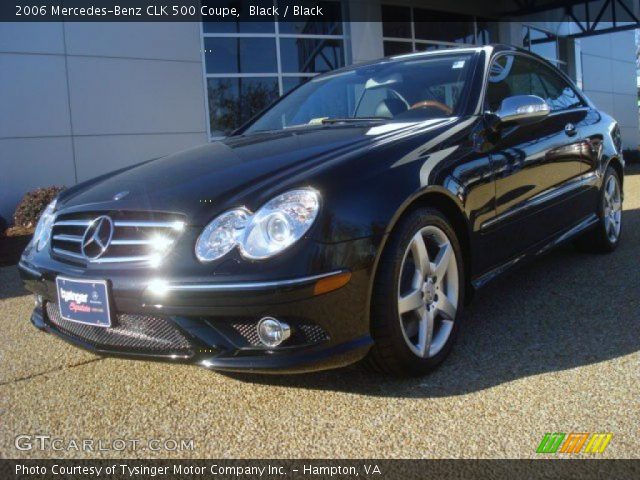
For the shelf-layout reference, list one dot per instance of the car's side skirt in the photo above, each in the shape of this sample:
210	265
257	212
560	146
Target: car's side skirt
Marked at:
537	250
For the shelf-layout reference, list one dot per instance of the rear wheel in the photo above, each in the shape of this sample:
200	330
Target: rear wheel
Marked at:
418	292
605	236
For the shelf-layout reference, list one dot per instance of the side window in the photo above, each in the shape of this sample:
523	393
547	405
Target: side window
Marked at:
559	94
518	75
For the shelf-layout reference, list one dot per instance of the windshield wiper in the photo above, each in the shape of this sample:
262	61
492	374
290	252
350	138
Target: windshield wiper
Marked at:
354	120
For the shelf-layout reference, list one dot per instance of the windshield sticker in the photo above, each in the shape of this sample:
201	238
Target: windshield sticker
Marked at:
458	64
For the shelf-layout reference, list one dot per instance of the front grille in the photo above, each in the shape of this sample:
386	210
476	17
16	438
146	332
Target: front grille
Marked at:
142	237
302	334
131	333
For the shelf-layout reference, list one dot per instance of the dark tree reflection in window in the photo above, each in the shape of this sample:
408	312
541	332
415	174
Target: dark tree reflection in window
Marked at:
233	101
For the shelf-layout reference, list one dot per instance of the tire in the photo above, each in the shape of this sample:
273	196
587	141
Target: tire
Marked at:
402	344
605	236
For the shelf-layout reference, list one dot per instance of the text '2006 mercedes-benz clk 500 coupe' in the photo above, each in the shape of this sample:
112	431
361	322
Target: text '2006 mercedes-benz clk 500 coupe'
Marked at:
351	220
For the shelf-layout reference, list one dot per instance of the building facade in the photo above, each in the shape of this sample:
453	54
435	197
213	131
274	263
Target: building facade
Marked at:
82	99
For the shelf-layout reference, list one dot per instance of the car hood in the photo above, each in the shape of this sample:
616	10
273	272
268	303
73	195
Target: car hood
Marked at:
242	170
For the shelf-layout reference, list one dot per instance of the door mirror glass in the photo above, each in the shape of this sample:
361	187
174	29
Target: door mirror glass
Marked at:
521	109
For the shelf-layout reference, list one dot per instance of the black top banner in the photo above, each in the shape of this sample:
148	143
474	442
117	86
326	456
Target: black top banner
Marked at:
618	11
167	11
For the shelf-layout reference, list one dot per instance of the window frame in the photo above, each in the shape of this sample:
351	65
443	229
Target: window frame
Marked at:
546	65
279	74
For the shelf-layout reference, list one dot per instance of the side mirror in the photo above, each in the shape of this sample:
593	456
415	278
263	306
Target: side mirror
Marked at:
522	109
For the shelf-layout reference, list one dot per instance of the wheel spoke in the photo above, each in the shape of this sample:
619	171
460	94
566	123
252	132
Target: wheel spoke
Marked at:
425	332
611	185
441	263
420	254
610	228
616	205
446	308
411	301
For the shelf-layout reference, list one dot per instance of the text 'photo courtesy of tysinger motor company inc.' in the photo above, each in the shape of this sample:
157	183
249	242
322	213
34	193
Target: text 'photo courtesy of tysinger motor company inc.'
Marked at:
394	239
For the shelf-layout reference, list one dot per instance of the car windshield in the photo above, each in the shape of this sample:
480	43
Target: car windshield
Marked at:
411	89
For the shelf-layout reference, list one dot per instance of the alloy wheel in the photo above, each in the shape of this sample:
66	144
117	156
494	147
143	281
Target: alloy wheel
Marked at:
612	208
428	292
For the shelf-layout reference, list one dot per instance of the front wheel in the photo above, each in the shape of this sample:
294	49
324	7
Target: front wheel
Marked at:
418	293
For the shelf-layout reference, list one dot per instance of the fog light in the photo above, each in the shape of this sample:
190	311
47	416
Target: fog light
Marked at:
37	300
272	332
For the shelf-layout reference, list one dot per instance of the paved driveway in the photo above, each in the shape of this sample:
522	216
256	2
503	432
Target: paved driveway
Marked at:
553	347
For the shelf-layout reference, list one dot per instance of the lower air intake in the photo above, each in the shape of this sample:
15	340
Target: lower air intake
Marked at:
131	333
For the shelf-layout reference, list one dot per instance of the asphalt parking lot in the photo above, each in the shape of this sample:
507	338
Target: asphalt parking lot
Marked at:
552	347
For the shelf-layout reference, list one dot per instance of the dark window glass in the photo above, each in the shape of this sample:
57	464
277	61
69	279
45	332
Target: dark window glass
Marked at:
331	23
396	21
397	48
559	94
240	55
289	83
233	101
443	27
517	75
311	55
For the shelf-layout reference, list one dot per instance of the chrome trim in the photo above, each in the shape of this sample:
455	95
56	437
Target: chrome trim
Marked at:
542	197
73	223
132	242
66	253
141	258
177	225
68	238
223	287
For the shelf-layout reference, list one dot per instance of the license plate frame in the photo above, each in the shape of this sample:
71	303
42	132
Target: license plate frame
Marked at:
88	304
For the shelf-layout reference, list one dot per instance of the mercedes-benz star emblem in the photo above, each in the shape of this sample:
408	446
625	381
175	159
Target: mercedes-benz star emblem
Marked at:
97	238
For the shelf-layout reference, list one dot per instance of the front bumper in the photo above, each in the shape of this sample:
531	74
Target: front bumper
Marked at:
213	324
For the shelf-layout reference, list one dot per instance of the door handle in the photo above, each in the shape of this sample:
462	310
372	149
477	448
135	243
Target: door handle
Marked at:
570	129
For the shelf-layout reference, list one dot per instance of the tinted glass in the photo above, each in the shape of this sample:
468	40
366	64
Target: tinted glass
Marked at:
517	75
240	55
559	94
233	101
311	55
396	21
407	90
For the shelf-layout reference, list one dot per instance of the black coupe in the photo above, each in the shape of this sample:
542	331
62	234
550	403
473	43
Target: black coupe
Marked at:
351	220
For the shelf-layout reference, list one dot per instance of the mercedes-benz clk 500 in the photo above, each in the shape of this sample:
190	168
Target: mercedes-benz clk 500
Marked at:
351	220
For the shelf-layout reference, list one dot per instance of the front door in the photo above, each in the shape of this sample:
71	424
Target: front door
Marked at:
534	165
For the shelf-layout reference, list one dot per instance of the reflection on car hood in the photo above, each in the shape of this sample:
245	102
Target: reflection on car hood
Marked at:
223	174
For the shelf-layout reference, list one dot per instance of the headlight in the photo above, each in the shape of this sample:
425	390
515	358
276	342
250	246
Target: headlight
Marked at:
276	226
42	233
221	235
